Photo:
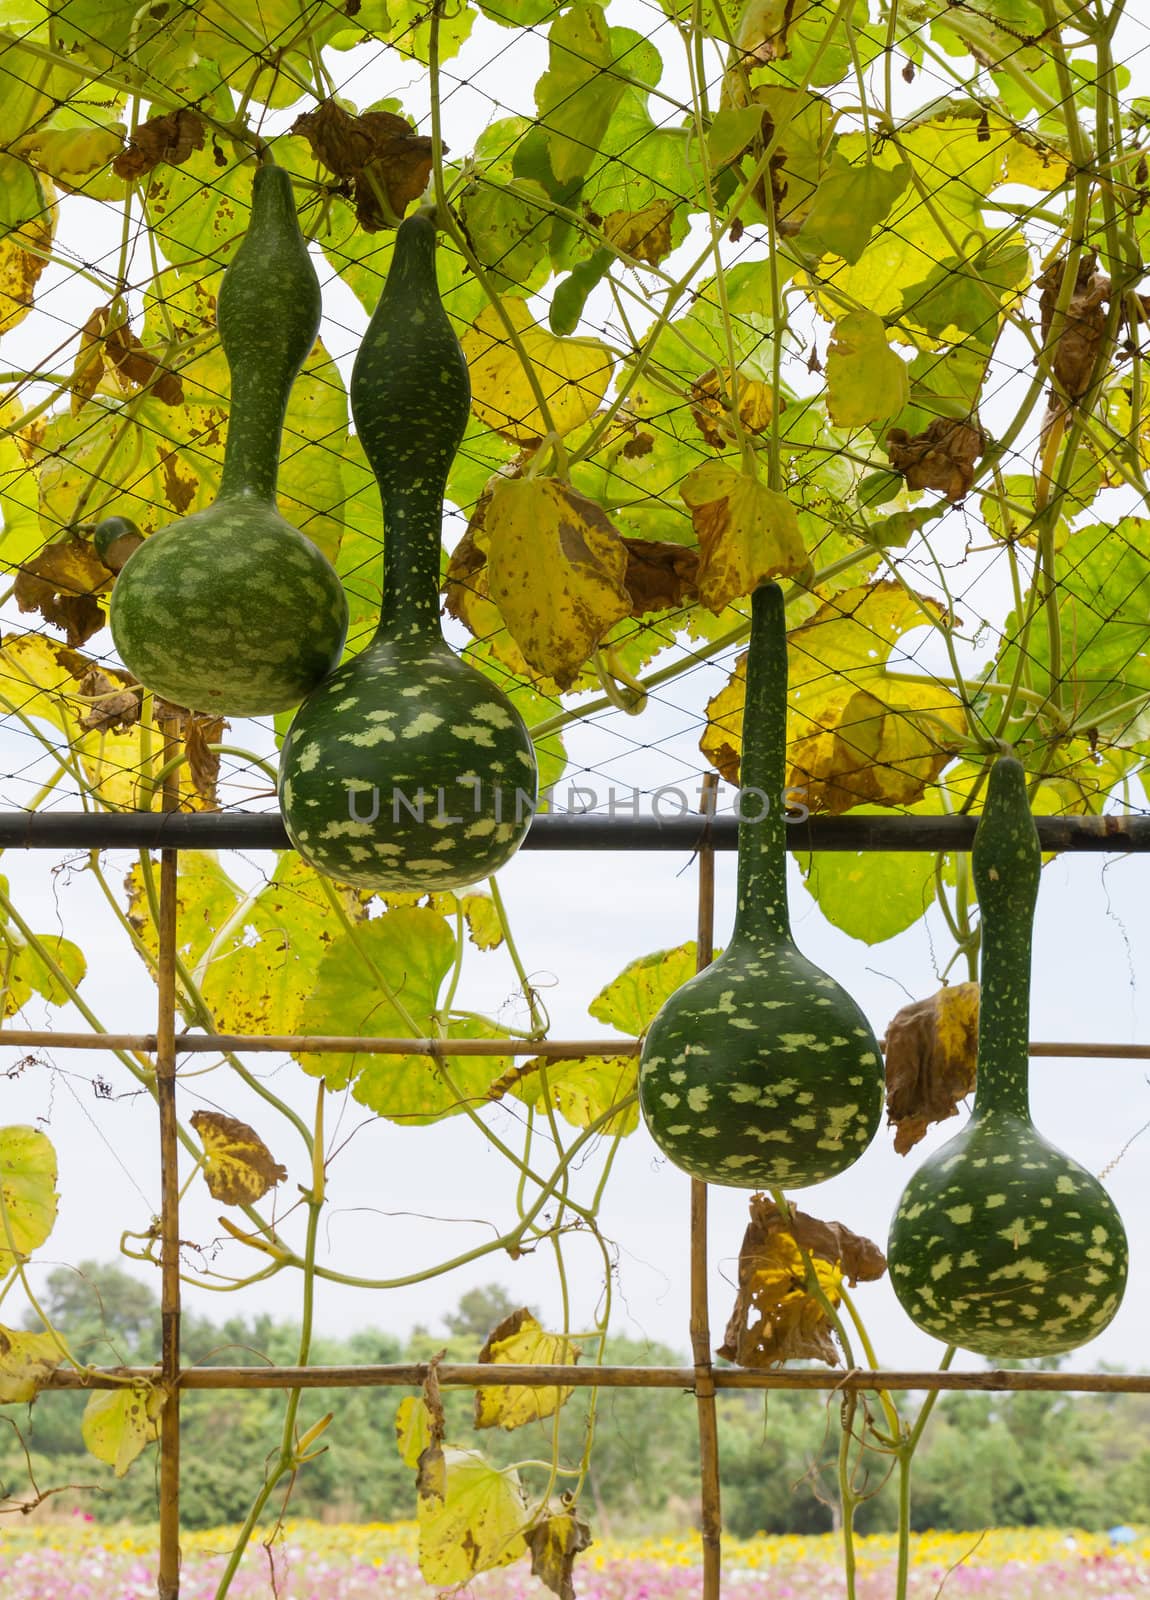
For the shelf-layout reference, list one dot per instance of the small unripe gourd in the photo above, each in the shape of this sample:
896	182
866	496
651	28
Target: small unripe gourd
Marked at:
762	1072
232	610
1001	1243
407	768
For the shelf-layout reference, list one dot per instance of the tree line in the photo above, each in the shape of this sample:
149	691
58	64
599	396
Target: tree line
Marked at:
986	1459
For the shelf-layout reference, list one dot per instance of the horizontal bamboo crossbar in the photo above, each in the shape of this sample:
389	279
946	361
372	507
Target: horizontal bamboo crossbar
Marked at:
440	1049
254	830
501	1375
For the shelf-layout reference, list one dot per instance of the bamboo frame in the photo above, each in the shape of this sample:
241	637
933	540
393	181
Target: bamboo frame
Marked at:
440	1049
474	1375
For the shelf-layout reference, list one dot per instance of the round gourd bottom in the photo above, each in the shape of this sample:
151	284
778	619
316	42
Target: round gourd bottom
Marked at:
1003	1245
761	1072
407	768
231	610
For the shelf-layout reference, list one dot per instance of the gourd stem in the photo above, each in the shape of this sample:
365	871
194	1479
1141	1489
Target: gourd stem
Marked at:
1006	862
761	913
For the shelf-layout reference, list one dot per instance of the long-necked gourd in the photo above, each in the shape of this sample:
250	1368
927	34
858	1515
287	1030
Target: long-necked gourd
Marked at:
231	609
407	768
1001	1243
760	1071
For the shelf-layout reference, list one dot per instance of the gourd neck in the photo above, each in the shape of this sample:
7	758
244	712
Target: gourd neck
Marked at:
761	916
268	313
410	606
1006	864
410	398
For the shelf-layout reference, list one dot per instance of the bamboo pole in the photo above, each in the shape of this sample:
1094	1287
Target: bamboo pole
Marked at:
168	1574
347	1044
411	1375
710	1491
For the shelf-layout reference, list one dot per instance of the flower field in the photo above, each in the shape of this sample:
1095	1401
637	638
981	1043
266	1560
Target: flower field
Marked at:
77	1561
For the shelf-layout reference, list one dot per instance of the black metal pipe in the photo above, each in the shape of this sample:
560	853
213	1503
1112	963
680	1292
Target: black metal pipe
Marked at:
248	830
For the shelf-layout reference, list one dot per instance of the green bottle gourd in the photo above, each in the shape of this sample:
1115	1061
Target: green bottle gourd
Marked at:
232	610
761	1071
407	768
1001	1243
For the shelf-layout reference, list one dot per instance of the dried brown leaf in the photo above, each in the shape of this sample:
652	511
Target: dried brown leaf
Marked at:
200	732
170	139
239	1168
660	576
776	1318
379	153
115	702
431	1468
942	458
1083	327
113	347
554	1543
62	583
931	1049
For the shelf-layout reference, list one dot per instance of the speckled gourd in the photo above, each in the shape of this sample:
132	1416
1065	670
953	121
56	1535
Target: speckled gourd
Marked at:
407	768
1001	1243
761	1071
232	610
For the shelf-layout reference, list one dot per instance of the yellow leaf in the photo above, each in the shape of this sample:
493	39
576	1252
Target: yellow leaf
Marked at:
712	396
520	1341
855	732
238	1167
27	1192
583	1090
75	156
555	568
931	1050
479	1524
483	925
645	234
865	378
23	257
26	1359
119	1423
412	1429
573	374
746	533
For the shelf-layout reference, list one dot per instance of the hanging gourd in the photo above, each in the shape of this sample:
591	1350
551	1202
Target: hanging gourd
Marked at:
1002	1244
761	1071
232	610
408	768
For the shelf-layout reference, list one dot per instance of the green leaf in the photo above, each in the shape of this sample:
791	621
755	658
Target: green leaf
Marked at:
508	231
120	1423
866	380
28	1193
873	894
630	1001
311	487
21	197
966	296
370	983
263	967
1104	620
29	971
731	131
576	96
852	199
